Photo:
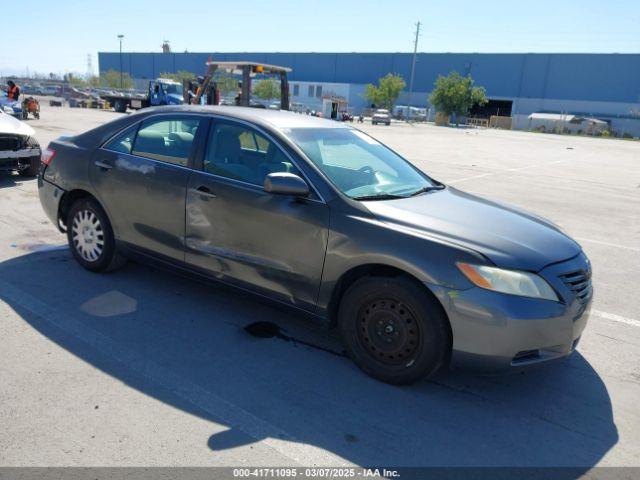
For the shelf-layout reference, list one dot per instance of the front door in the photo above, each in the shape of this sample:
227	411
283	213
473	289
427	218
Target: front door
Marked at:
141	177
273	244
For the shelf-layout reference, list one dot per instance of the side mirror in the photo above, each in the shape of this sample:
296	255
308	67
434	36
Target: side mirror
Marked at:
283	183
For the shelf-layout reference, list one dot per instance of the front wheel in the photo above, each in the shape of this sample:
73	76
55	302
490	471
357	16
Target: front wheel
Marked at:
393	330
90	237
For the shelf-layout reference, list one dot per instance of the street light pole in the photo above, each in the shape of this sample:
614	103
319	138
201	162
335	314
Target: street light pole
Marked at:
120	38
413	68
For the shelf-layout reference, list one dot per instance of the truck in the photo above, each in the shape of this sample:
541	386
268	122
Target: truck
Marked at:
161	91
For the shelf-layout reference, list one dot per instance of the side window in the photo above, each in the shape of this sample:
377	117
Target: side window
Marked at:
123	142
240	153
166	140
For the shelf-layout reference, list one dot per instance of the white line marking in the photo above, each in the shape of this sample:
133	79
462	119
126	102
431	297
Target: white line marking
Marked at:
616	318
228	413
608	244
514	169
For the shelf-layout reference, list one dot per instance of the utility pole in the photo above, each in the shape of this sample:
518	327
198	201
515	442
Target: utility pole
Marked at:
120	37
413	68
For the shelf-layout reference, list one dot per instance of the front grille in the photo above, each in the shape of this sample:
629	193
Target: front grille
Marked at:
9	143
579	282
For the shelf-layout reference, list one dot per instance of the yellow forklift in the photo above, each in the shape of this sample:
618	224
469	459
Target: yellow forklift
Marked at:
205	90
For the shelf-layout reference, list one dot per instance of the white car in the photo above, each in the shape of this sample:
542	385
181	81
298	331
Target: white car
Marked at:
19	149
381	116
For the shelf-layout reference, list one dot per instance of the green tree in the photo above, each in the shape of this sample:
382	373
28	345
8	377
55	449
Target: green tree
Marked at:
180	76
111	79
93	81
387	91
226	83
455	95
267	89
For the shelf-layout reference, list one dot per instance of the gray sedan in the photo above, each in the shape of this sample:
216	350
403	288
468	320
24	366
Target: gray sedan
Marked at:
317	215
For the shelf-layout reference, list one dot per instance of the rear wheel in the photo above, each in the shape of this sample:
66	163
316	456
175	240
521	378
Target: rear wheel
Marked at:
90	237
120	106
393	330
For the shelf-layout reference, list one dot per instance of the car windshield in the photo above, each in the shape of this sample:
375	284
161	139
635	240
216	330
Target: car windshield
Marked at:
358	165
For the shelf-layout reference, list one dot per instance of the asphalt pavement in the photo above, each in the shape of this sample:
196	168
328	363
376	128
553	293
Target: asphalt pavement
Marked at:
145	368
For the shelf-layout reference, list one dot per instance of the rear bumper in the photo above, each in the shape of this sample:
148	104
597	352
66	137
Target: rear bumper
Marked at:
494	332
50	196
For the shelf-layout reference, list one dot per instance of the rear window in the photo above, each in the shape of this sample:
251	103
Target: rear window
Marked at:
122	143
167	140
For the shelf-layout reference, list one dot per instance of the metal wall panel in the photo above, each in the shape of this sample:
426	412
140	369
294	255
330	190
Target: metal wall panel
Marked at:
593	77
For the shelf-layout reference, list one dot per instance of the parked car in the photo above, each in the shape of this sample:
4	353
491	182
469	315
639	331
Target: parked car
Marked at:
19	149
52	90
381	116
319	216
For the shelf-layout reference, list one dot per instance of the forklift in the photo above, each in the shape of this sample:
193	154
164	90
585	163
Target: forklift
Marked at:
206	88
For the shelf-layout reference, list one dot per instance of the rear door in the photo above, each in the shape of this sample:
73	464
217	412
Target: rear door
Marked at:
141	177
273	244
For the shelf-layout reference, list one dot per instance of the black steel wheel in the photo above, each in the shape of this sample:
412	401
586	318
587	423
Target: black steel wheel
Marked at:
388	330
393	329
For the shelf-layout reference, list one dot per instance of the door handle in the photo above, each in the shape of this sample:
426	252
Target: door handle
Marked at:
204	191
103	165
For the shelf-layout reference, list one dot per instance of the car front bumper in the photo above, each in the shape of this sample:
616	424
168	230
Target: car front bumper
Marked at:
11	160
494	332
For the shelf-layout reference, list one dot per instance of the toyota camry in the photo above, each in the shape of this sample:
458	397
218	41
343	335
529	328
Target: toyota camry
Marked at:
315	214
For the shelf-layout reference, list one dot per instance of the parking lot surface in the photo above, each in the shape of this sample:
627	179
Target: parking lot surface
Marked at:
143	367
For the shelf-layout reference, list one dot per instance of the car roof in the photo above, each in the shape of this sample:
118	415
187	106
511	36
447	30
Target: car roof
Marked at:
279	119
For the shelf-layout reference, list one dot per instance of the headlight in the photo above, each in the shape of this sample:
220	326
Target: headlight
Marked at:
513	282
32	143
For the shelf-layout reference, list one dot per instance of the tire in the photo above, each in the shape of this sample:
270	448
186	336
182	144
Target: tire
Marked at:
120	106
387	124
393	330
90	237
373	123
32	170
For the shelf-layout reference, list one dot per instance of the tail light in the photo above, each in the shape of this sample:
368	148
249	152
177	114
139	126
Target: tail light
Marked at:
47	156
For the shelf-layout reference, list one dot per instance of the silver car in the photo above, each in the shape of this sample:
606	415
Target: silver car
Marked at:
381	116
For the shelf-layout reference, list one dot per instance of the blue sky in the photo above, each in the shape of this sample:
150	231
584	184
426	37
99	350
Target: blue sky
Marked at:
61	33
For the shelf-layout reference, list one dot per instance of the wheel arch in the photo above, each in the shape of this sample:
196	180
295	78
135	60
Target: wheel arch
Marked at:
354	274
67	200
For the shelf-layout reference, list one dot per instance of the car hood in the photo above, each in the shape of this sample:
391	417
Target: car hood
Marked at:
506	235
10	125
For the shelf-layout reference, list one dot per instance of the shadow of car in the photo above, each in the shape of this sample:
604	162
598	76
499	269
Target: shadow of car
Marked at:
185	344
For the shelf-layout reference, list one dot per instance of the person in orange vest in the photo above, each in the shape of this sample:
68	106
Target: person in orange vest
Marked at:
13	92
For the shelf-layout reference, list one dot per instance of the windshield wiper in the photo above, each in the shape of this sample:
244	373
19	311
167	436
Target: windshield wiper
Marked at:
430	188
379	196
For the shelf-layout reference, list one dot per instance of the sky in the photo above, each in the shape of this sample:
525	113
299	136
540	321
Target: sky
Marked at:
58	35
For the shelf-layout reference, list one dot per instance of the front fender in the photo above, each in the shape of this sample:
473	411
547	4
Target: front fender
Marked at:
359	240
